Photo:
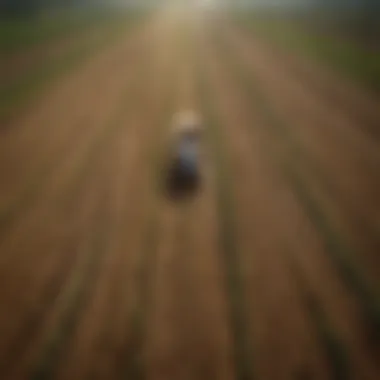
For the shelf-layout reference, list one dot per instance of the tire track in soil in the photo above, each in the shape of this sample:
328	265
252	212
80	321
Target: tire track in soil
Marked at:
83	252
56	271
336	123
86	187
130	361
157	350
35	128
17	67
77	296
31	322
49	81
190	329
40	243
44	292
278	326
104	342
205	346
329	151
40	149
358	102
331	224
61	177
340	307
86	328
49	234
71	316
241	340
80	355
70	92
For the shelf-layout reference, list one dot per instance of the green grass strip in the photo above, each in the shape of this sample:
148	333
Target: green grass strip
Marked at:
20	33
19	93
335	350
367	122
243	358
344	57
10	213
296	151
343	257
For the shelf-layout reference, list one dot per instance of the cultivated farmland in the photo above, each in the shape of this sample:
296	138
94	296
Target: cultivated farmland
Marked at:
270	271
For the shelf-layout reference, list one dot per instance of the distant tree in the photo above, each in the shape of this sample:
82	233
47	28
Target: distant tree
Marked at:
29	7
20	7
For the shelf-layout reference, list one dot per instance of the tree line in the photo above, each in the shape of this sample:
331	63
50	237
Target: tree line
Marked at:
30	7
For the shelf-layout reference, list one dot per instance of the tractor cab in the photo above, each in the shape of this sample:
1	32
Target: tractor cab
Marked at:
185	166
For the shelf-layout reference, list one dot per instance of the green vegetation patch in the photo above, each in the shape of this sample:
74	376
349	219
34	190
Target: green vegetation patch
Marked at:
334	349
18	92
19	33
344	56
344	258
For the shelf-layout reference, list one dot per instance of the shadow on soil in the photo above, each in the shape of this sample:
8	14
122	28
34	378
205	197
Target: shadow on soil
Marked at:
180	185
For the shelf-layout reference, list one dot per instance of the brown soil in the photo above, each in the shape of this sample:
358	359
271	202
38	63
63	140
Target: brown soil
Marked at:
346	95
283	342
20	64
296	229
334	150
102	276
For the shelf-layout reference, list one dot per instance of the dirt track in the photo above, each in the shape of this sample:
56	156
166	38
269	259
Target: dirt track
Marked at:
103	277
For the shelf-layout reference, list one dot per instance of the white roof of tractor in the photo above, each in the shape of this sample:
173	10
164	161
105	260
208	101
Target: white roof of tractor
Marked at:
187	122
